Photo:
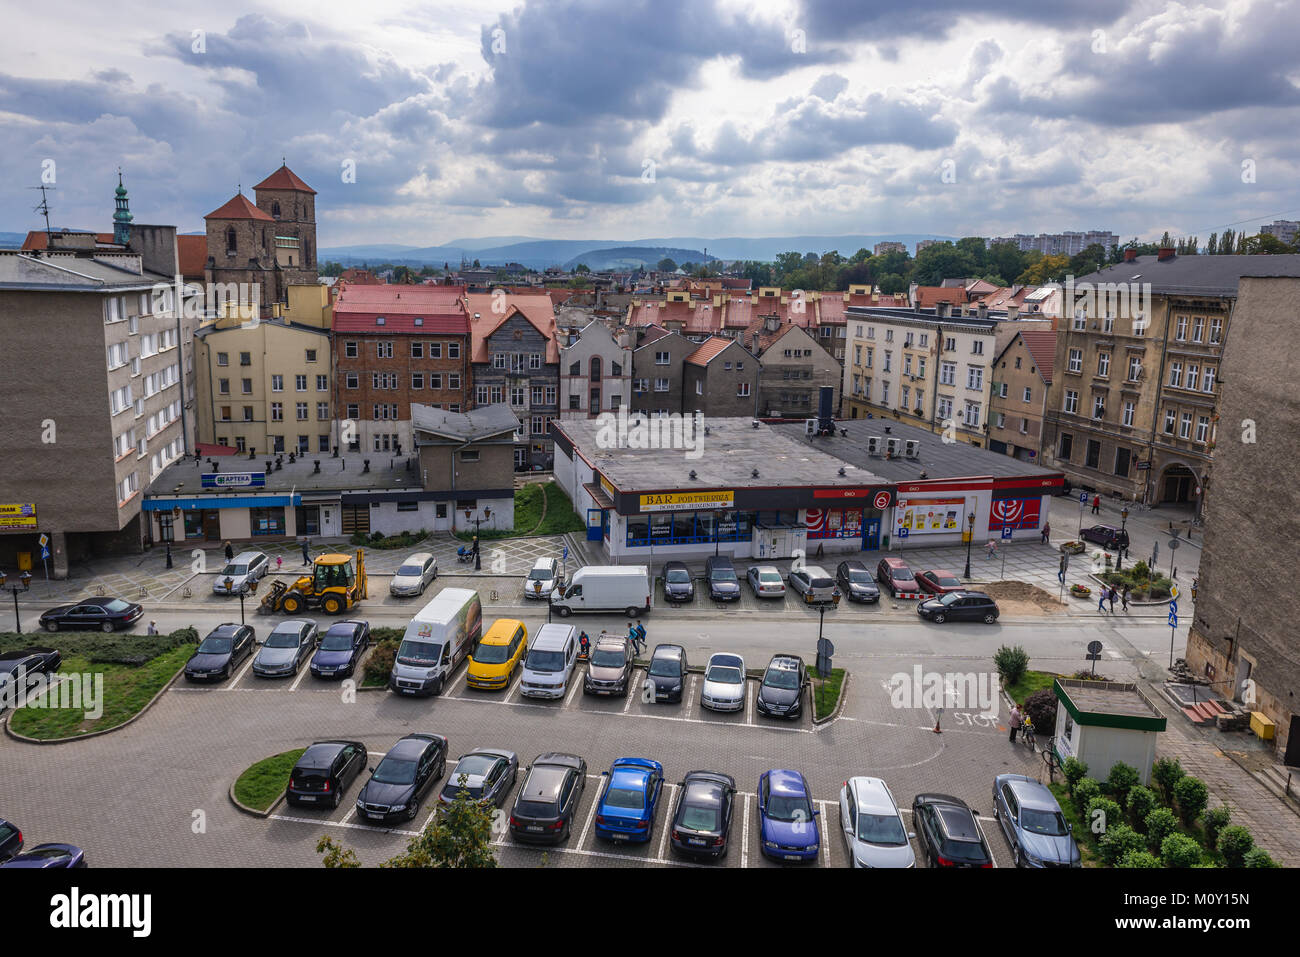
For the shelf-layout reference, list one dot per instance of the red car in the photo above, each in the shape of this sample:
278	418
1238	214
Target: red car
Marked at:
938	581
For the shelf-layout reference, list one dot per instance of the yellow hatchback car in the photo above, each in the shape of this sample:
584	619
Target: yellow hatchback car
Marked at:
493	661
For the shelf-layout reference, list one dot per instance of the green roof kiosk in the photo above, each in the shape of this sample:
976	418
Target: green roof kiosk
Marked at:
1104	722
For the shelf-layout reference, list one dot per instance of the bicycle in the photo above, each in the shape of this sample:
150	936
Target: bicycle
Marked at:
1027	735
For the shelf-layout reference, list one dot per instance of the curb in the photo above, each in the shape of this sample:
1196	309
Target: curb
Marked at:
240	806
94	734
839	705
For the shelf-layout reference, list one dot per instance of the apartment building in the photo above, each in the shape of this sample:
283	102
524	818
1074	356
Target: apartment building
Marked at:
595	373
1133	409
1066	243
888	247
1022	376
395	345
1285	230
937	370
719	379
793	367
87	432
657	368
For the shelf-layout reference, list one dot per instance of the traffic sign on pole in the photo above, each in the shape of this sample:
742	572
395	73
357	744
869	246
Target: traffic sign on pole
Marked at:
1173	620
1006	531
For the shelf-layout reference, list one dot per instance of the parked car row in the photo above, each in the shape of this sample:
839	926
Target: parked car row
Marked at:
290	644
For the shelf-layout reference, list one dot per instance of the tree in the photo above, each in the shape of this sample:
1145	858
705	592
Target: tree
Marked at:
336	855
582	269
1212	244
942	261
1047	269
1165	240
460	835
666	265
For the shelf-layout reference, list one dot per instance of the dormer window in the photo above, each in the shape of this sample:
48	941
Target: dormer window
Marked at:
419	321
379	320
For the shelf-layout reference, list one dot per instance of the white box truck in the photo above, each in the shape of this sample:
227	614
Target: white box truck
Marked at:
624	589
437	640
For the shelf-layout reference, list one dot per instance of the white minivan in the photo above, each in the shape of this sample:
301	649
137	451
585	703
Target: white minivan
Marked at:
437	640
622	589
549	664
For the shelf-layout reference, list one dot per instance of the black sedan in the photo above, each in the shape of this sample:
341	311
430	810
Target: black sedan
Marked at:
218	654
959	606
402	779
854	579
324	772
678	583
11	840
340	649
93	614
49	856
702	820
1108	536
289	644
781	693
544	810
20	665
667	672
488	774
948	832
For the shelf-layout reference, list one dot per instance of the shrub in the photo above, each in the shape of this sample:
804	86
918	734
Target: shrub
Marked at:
1160	824
358	538
1192	796
1215	820
1166	772
377	536
1086	675
1258	857
1118	842
1122	777
1011	664
1235	843
1141	570
380	663
1141	802
1179	850
1041	708
1102	814
1074	771
1160	588
1143	859
1085	791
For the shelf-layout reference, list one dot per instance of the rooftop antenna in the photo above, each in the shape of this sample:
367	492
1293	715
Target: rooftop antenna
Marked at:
43	207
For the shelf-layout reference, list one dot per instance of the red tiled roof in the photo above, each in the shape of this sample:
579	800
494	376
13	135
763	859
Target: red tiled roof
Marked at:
652	332
1041	344
39	239
536	307
360	276
192	251
204	448
927	297
285	178
708	350
358	306
238	207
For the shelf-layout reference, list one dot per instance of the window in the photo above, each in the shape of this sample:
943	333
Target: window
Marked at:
538	425
517	396
384	350
277	412
1103	364
223	387
453	380
300	383
1185	426
947	373
1067	446
1176	374
223	359
417	380
1080	321
354	411
907	365
1129	411
871	332
1216	330
322	411
248	413
1134	368
889	335
742	389
1108	324
661	385
1071	401
246	386
1202	428
1093	454
351	380
888	359
945	409
241	443
535	360
1076	360
435	380
117	355
245	358
350	350
453	350
1029	394
311	355
662	358
1193	380
640	385
1098	406
972	414
537	395
500	360
1207	384
977	347
417	350
322	383
1181	333
301	410
1122	458
1002	420
1198	329
869	353
1171	418
974	377
225	413
884	393
323	443
277	383
920	367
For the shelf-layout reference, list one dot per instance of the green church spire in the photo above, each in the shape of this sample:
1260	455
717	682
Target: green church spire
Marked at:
122	215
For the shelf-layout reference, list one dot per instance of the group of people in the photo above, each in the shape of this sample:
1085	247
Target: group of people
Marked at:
635	635
1109	593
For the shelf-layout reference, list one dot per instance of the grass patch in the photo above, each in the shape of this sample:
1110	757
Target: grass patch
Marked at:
560	516
260	785
826	696
1031	682
127	689
119	647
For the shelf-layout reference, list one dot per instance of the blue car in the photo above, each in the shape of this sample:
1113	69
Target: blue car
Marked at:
49	855
626	808
787	820
340	649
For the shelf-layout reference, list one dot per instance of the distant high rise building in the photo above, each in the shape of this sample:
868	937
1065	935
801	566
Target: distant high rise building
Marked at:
925	244
1057	244
1284	229
888	247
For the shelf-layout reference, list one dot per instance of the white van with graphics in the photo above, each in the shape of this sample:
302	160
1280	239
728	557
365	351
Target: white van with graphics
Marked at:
549	664
622	589
437	640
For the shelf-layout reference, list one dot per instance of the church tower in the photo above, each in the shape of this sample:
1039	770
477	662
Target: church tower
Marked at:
291	203
122	214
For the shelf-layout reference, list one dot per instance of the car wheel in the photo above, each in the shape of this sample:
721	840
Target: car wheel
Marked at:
338	796
563	611
51	626
106	627
412	811
631	611
225	675
937	619
990	619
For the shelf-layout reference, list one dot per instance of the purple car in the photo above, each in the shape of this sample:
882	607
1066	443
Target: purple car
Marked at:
340	649
49	855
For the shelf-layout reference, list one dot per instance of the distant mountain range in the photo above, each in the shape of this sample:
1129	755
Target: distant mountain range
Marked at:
541	253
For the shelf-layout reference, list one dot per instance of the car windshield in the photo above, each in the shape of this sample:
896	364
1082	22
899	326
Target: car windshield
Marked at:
770	578
678	576
395	771
418	652
625	797
608	658
698	818
540	575
899	574
859	576
410	571
544	661
950	598
472	765
1042	822
965	851
723	575
725	674
282	639
884	829
115	606
947	581
486	654
233	570
781	678
665	667
336	641
215	646
782	807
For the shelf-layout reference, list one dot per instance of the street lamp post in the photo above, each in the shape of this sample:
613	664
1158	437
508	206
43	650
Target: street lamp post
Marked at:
471	517
26	579
970	538
1123	519
229	583
717	530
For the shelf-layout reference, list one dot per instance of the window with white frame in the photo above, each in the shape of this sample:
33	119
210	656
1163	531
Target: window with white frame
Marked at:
300	383
1193	380
1171	421
1202	428
1103	364
277	383
948	373
322	411
1176	374
1181	329
1185	426
1130	410
944	410
1098	406
1076	360
1029	394
1134	367
1071	401
661	385
972	414
349	350
975	377
742	389
1216	330
384	350
1207	383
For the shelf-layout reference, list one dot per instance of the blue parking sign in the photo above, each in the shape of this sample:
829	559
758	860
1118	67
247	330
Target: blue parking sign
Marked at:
1006	531
1083	498
902	533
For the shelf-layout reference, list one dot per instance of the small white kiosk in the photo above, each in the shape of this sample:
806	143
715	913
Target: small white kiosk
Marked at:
1104	722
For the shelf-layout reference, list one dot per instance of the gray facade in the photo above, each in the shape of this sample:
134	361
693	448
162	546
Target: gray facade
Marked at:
723	386
657	373
517	372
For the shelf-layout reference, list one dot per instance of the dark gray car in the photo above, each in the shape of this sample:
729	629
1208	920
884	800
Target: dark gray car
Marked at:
609	667
489	776
288	645
855	580
720	574
667	672
678	583
1033	823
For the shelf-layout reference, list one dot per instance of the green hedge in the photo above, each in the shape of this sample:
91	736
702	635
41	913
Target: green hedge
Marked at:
119	647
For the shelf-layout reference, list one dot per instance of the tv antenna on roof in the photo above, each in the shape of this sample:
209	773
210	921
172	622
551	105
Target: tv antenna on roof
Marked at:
43	207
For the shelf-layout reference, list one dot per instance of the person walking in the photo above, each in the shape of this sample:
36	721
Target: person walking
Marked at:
306	550
1123	598
992	548
153	628
1047	532
1096	505
1101	599
1014	722
1111	595
230	552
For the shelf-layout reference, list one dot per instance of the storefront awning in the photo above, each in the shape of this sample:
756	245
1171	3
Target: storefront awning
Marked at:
598	495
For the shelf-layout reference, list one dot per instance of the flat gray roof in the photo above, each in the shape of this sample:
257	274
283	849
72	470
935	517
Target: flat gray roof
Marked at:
939	460
1195	275
64	271
1109	697
387	472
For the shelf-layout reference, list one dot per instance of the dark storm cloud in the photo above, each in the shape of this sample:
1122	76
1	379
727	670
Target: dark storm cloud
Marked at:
884	20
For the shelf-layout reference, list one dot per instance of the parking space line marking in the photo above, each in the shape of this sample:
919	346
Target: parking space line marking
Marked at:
574	689
591	816
513	689
744	846
825	834
631	684
302	673
690	698
230	685
429	820
461	679
355	827
351	810
668	824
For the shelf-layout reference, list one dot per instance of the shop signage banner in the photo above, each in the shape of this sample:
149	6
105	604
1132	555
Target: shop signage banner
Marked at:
234	479
18	516
930	516
687	501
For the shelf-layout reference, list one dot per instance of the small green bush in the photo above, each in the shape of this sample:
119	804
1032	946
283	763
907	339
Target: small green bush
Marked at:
1160	824
1074	771
1141	802
1011	664
1085	791
1142	859
1192	796
1235	843
1118	842
1215	820
380	663
1122	777
1041	708
1179	850
1102	814
1166	772
1258	857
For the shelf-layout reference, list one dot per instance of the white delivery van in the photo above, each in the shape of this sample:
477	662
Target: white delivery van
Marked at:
549	664
622	589
439	637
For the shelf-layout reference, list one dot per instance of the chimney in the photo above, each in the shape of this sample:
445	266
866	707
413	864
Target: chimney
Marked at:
1130	255
1013	312
982	310
1165	252
945	310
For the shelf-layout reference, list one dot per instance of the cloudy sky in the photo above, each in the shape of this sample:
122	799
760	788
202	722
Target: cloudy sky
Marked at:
631	119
